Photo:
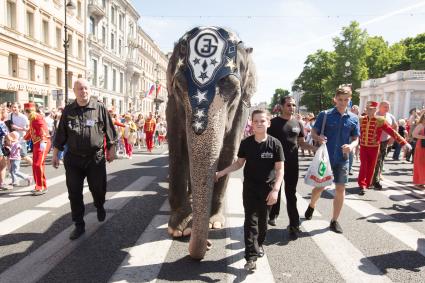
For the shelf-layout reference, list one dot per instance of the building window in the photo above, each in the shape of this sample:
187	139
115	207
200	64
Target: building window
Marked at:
103	35
46	73
121	110
92	26
11	14
59	77
114	80
113	20
31	70
70	75
13	65
119	46
121	22
45	27
70	49
58	38
80	49
79	10
30	24
94	70
121	83
105	77
112	41
104	3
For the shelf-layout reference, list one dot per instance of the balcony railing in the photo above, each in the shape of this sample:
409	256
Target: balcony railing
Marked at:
397	76
95	8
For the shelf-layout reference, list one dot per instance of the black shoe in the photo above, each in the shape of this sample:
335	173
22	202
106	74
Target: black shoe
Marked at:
335	227
101	214
250	265
77	232
260	251
377	186
272	222
362	191
309	213
294	231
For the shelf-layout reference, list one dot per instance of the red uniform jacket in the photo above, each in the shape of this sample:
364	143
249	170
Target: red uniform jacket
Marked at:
38	130
371	131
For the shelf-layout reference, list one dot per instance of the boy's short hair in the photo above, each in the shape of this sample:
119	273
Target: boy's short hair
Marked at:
344	89
260	111
285	98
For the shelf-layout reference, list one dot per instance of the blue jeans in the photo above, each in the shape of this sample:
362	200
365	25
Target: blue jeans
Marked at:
340	172
15	173
397	150
350	161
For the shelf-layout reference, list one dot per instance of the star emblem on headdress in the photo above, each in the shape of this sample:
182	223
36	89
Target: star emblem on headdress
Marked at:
197	125
200	114
179	63
230	63
203	76
213	61
201	96
195	61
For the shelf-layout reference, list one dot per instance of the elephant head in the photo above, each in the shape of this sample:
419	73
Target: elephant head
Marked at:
210	81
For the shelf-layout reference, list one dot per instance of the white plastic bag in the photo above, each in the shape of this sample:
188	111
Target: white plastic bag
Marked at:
319	174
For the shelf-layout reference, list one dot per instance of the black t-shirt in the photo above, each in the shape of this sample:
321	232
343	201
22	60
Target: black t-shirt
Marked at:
260	159
287	132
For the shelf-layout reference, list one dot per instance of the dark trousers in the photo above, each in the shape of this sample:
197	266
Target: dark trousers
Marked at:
290	184
380	162
256	212
77	168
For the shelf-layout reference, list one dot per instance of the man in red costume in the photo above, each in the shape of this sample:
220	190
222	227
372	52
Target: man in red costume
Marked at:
371	128
149	128
39	134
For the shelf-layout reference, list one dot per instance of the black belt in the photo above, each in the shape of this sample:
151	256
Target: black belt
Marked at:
84	154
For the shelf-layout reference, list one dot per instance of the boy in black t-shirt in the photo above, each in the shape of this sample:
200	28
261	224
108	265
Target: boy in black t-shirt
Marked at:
263	158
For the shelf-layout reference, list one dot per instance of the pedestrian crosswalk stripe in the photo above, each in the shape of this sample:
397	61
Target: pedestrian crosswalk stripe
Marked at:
26	191
340	252
21	219
402	232
235	236
52	252
401	196
144	260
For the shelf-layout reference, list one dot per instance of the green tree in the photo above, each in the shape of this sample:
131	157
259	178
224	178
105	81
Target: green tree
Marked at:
278	94
378	58
397	53
350	59
415	52
315	79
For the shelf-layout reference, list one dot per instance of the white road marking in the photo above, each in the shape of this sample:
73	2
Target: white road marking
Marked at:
144	260
235	236
51	253
19	220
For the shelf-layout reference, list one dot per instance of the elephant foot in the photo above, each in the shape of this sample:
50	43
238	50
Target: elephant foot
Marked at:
216	221
182	228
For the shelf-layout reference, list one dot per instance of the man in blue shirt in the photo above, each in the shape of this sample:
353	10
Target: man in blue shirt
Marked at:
340	134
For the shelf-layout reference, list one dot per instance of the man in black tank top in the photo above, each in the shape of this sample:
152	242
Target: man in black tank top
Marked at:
290	132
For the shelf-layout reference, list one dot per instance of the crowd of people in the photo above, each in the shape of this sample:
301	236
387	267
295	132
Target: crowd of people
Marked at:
366	136
138	130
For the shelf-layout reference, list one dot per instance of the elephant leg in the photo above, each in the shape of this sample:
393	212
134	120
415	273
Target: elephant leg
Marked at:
181	212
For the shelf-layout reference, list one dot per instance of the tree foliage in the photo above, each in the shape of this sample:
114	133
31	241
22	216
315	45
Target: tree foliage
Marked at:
356	57
278	94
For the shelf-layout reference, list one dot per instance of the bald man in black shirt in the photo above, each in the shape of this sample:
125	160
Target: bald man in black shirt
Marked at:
290	132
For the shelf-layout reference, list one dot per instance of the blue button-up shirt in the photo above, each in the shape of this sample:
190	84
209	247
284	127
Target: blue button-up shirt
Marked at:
339	130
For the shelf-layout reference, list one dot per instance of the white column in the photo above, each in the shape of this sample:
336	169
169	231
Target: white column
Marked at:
407	103
385	96
396	110
362	105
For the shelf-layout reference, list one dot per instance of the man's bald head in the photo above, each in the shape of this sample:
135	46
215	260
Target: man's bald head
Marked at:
384	107
82	91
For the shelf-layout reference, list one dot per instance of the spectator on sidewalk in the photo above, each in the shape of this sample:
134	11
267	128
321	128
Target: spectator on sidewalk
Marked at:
341	132
403	133
84	126
419	159
263	158
20	123
3	159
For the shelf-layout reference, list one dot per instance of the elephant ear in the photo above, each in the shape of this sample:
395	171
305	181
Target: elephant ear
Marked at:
176	66
248	74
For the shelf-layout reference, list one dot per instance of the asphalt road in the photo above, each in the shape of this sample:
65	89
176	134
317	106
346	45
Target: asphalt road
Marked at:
383	236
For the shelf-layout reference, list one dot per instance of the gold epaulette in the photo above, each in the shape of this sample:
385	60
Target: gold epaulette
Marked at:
380	120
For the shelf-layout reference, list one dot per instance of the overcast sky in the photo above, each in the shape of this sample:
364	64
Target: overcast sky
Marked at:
282	33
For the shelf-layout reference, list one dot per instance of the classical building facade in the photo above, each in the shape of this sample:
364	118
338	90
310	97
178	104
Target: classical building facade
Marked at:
152	85
404	90
32	52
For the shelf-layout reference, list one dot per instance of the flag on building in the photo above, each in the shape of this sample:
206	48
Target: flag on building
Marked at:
159	88
150	91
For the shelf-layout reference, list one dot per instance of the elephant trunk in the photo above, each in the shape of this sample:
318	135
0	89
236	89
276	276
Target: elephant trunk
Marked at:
204	152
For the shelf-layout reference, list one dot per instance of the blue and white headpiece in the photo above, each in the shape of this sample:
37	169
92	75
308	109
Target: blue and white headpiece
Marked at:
211	56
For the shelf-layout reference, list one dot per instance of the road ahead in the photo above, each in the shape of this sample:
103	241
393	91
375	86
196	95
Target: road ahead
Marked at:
383	240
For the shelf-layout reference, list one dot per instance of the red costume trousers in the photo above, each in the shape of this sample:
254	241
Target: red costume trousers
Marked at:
368	158
39	157
149	140
128	147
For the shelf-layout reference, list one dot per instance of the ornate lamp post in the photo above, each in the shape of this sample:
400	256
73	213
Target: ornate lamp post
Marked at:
156	100
67	5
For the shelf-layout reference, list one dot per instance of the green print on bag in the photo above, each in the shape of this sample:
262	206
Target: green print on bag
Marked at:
322	169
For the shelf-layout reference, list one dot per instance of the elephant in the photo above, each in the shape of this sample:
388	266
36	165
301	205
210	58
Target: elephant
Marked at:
210	81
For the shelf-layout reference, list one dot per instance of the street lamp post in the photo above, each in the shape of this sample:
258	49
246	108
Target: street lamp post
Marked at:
69	5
